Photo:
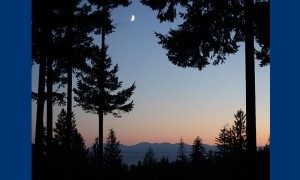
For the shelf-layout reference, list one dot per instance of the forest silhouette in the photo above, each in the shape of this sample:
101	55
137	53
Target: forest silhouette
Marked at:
63	34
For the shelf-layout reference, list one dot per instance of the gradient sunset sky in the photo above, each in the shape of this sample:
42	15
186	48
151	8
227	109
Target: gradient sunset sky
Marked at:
170	102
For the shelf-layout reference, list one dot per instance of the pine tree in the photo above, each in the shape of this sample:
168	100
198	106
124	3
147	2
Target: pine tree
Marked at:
98	81
149	159
78	153
198	152
60	132
225	141
59	34
181	157
239	132
112	153
98	92
41	39
74	47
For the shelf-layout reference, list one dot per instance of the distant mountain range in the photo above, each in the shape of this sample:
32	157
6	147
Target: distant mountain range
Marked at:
132	154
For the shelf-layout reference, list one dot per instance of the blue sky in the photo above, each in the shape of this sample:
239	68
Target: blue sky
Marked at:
170	102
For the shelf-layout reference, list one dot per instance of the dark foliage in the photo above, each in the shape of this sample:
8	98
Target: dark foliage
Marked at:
112	153
181	157
97	86
88	91
78	160
198	153
212	30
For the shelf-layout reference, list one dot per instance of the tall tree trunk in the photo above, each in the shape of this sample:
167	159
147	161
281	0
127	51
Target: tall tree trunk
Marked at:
100	138
250	91
69	117
38	149
101	108
250	80
39	130
49	117
49	106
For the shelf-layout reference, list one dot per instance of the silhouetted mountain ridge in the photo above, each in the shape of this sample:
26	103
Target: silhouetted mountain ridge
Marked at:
132	154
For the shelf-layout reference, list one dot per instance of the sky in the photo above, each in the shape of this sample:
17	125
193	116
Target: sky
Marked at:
170	102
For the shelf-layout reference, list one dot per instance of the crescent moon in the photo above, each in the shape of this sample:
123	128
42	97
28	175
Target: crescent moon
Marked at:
132	18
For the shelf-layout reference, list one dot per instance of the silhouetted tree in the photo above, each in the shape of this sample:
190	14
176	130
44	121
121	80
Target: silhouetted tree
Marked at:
112	153
212	30
57	30
181	157
225	141
78	153
105	82
41	39
232	141
198	152
60	133
149	159
239	132
74	47
44	30
98	92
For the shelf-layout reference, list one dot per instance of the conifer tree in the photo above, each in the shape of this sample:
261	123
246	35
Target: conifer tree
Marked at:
98	92
149	159
60	136
73	159
112	153
41	40
59	35
98	81
239	132
198	152
181	157
224	141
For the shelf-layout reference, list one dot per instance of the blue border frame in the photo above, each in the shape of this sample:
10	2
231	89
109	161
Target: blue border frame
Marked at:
15	73
285	89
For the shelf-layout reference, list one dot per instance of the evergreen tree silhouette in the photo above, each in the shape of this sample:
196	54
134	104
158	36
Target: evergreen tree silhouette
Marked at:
212	30
239	132
181	157
232	141
52	23
78	154
102	24
44	30
74	47
112	157
149	159
198	152
98	92
112	153
60	133
224	141
41	37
